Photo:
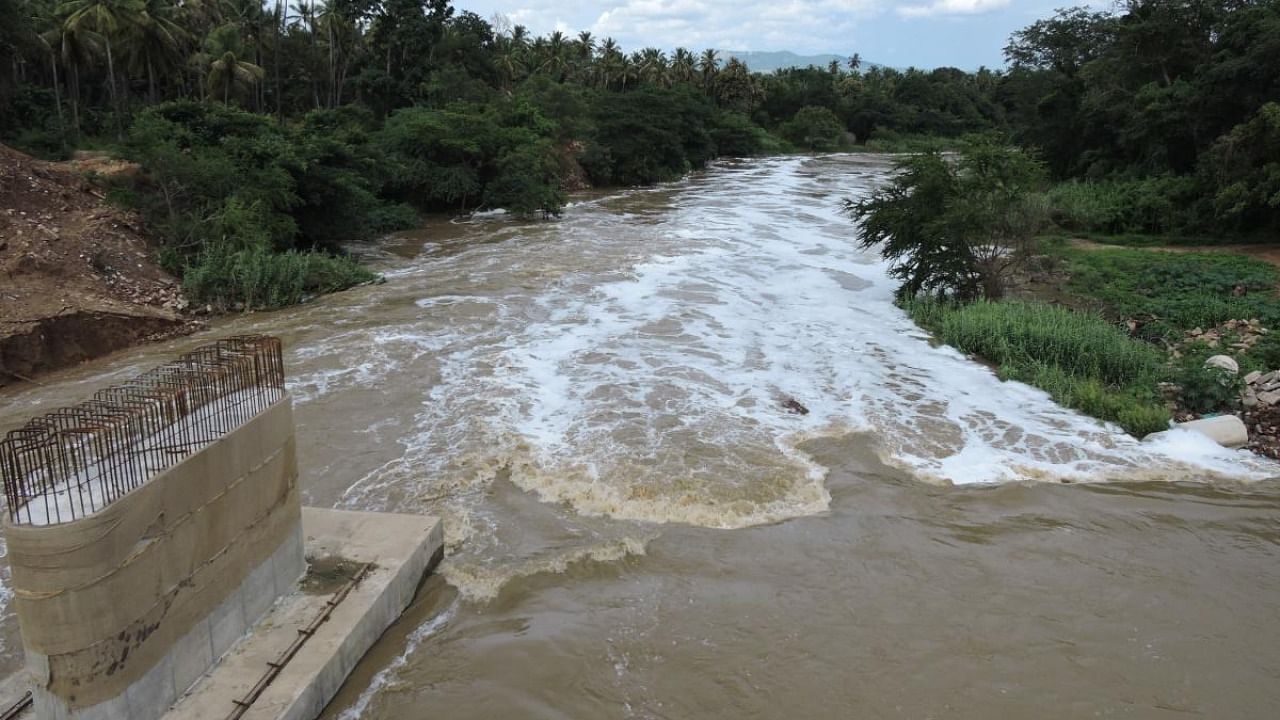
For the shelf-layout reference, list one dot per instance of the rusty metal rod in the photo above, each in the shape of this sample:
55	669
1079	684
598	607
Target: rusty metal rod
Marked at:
17	708
304	634
72	462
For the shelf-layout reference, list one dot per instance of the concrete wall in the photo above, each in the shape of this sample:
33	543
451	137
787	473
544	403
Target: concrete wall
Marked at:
123	610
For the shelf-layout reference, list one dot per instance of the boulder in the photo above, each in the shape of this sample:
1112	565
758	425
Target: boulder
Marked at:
1226	430
1226	363
1252	378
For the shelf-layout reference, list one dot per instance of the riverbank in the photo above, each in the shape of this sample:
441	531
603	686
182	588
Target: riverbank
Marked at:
1124	334
80	278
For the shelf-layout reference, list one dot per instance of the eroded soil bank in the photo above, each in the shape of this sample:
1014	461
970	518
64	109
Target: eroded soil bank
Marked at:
77	278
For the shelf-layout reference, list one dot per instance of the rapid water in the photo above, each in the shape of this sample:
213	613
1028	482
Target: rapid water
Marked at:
639	526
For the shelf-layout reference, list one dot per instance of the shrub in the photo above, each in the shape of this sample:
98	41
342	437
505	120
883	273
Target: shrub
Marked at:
259	279
1205	389
1161	204
814	128
735	135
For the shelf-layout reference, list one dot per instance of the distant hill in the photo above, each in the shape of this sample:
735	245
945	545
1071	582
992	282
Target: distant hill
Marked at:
765	61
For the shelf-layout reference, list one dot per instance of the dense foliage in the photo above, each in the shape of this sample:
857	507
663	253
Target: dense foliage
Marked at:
302	127
955	229
1171	293
1164	104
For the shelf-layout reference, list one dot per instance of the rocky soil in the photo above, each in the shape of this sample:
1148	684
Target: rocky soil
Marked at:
77	278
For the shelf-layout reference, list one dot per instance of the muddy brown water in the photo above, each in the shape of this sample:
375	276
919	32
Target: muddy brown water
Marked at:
638	526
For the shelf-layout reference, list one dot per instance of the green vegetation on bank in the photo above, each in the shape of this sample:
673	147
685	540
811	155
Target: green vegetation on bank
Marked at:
1125	325
1171	293
1081	359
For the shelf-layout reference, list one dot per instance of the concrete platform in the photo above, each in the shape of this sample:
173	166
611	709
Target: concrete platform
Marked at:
402	549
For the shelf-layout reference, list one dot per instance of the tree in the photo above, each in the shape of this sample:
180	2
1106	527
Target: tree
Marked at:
156	43
229	75
955	229
106	18
814	128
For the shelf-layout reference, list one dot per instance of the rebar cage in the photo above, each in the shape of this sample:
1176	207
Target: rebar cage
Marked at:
75	461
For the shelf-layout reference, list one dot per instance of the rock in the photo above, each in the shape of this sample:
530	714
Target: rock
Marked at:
1196	332
1269	397
1226	430
794	406
1249	399
1253	377
1267	378
1226	363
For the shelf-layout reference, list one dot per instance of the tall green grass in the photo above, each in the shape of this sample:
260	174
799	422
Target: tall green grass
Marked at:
1080	359
261	279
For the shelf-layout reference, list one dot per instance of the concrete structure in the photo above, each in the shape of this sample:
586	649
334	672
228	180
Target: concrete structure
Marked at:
402	548
122	610
155	536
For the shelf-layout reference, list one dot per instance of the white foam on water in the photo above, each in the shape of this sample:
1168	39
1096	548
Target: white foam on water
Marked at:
630	365
632	361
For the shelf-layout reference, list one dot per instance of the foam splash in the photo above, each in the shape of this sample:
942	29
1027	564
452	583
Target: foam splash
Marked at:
633	362
480	581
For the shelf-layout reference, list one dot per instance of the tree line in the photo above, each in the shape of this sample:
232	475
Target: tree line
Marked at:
271	127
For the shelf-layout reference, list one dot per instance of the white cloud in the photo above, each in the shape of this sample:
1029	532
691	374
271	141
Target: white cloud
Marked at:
799	25
899	32
953	7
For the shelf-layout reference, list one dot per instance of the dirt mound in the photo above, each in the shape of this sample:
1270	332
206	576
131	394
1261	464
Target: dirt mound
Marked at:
77	279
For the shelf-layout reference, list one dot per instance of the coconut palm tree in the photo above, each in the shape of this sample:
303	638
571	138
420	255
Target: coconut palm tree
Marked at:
652	64
709	65
683	66
107	18
586	45
229	74
76	49
156	42
607	67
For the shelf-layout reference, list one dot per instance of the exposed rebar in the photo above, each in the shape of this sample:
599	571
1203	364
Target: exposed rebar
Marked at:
75	461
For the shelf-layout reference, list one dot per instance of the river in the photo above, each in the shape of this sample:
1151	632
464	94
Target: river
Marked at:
639	526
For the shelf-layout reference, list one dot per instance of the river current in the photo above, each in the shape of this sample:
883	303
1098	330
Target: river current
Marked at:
693	463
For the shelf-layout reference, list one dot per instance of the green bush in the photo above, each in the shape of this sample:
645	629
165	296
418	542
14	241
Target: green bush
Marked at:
814	128
735	135
1205	389
1080	359
259	279
1151	205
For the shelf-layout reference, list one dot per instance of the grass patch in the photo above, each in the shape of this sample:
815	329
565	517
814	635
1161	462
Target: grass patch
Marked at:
1082	360
260	279
1180	290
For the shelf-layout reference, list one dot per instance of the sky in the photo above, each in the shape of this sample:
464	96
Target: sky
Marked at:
924	33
